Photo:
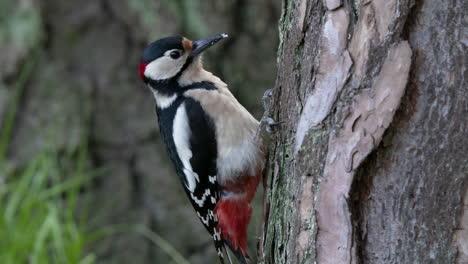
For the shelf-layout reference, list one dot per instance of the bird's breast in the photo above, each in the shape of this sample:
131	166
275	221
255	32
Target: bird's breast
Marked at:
239	150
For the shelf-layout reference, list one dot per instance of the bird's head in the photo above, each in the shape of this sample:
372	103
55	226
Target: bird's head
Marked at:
168	57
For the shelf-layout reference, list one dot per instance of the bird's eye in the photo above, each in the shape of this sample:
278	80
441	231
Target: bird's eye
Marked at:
175	54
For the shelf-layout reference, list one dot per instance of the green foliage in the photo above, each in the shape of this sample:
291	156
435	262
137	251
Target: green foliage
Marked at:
38	202
37	214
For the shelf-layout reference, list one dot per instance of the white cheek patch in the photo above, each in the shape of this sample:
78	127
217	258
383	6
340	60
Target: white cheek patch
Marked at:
181	135
164	67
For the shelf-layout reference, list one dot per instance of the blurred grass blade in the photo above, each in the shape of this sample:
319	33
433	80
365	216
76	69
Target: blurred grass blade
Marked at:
67	186
162	243
89	259
21	191
7	124
37	223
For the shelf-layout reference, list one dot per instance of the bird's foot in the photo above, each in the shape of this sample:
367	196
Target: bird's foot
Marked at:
267	123
270	125
265	99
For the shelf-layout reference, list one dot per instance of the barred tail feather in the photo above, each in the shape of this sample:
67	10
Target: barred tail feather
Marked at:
220	249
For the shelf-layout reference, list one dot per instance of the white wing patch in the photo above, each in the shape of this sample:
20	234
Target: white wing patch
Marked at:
181	134
201	201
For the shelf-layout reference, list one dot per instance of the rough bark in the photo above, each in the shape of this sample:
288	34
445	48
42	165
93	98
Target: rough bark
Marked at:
370	164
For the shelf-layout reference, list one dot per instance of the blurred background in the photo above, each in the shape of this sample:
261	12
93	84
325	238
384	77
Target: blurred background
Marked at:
83	174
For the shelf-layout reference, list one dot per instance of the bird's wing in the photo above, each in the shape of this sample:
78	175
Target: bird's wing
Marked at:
204	191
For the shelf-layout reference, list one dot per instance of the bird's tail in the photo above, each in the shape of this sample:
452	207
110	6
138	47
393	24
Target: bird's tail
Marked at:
233	219
243	259
220	250
237	253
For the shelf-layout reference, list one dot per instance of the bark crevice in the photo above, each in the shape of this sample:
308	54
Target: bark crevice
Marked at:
336	132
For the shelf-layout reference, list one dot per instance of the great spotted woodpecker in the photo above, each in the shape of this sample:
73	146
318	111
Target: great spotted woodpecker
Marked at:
210	137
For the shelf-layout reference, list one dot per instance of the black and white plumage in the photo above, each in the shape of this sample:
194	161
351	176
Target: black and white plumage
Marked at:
209	136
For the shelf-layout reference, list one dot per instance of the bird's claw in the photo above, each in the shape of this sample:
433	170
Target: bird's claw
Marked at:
266	96
266	123
271	125
267	93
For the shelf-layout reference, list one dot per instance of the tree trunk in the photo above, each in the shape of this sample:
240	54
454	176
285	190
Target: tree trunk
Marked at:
370	164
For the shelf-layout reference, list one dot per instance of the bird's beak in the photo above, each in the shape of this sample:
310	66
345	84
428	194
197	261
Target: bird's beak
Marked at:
200	45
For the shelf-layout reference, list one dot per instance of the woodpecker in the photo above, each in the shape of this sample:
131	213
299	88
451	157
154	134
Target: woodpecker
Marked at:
209	136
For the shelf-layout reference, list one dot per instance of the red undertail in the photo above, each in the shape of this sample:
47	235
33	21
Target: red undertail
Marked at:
233	220
234	212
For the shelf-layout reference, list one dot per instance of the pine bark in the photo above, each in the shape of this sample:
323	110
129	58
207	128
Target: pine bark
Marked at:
370	163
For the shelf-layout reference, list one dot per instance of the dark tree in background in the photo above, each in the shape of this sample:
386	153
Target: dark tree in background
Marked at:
371	163
76	63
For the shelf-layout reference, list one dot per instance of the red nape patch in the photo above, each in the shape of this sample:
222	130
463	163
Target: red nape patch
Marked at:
233	220
142	69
